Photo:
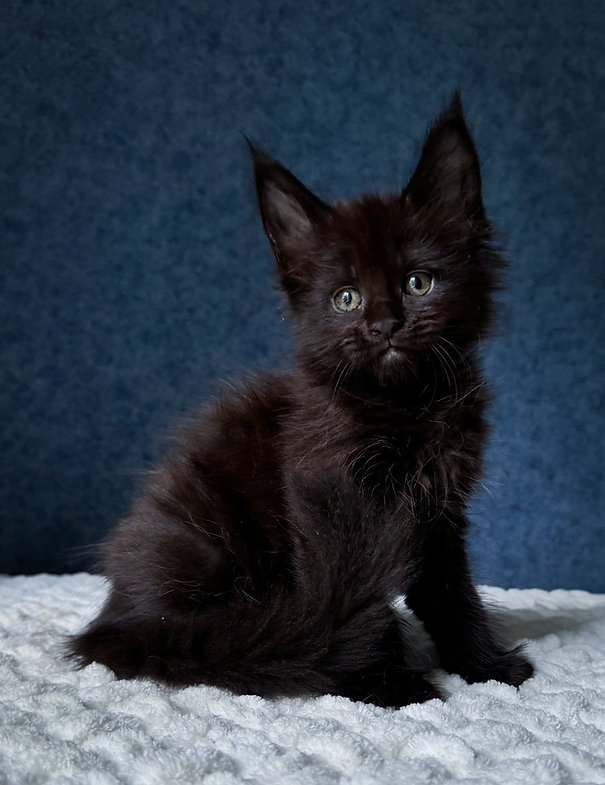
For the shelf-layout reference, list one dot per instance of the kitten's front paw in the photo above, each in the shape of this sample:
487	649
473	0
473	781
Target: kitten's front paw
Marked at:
511	667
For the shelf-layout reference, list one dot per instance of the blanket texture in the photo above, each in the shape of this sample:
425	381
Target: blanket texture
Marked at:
61	725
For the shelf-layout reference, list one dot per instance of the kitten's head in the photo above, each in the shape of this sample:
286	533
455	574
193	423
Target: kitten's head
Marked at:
378	283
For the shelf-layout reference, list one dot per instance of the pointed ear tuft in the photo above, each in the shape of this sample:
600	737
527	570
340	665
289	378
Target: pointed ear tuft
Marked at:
289	210
447	177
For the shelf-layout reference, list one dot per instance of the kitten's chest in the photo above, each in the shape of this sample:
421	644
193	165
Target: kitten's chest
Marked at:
433	464
431	458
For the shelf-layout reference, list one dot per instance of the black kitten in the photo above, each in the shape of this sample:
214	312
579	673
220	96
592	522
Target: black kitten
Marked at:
265	553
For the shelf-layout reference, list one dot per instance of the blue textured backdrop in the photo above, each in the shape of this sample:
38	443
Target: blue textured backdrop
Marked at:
135	271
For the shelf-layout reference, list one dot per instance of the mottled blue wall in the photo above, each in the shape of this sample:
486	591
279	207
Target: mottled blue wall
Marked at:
135	271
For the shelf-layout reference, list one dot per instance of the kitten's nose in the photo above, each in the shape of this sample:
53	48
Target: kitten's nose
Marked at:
385	328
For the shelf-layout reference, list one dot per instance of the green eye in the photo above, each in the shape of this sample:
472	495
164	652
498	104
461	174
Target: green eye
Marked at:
347	300
419	283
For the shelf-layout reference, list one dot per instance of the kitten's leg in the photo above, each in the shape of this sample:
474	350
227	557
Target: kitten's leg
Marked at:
444	598
343	563
389	682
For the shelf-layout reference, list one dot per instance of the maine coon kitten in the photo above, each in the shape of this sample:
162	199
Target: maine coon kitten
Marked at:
264	554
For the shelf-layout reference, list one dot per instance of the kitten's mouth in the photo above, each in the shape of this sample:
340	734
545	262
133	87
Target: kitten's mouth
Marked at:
391	353
386	359
389	363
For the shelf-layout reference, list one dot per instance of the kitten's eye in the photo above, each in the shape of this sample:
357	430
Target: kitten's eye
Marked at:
419	283
347	300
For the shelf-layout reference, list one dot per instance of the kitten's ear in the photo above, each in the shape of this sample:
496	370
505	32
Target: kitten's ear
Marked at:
288	209
447	177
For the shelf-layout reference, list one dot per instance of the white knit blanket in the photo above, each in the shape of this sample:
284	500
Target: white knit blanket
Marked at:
59	725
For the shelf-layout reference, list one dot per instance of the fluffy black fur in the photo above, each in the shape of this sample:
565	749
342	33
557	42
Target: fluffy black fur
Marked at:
264	555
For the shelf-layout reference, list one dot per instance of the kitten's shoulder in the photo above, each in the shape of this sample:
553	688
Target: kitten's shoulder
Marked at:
232	444
258	393
247	412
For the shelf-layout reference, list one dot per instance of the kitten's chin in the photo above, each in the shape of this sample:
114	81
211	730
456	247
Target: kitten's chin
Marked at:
390	367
